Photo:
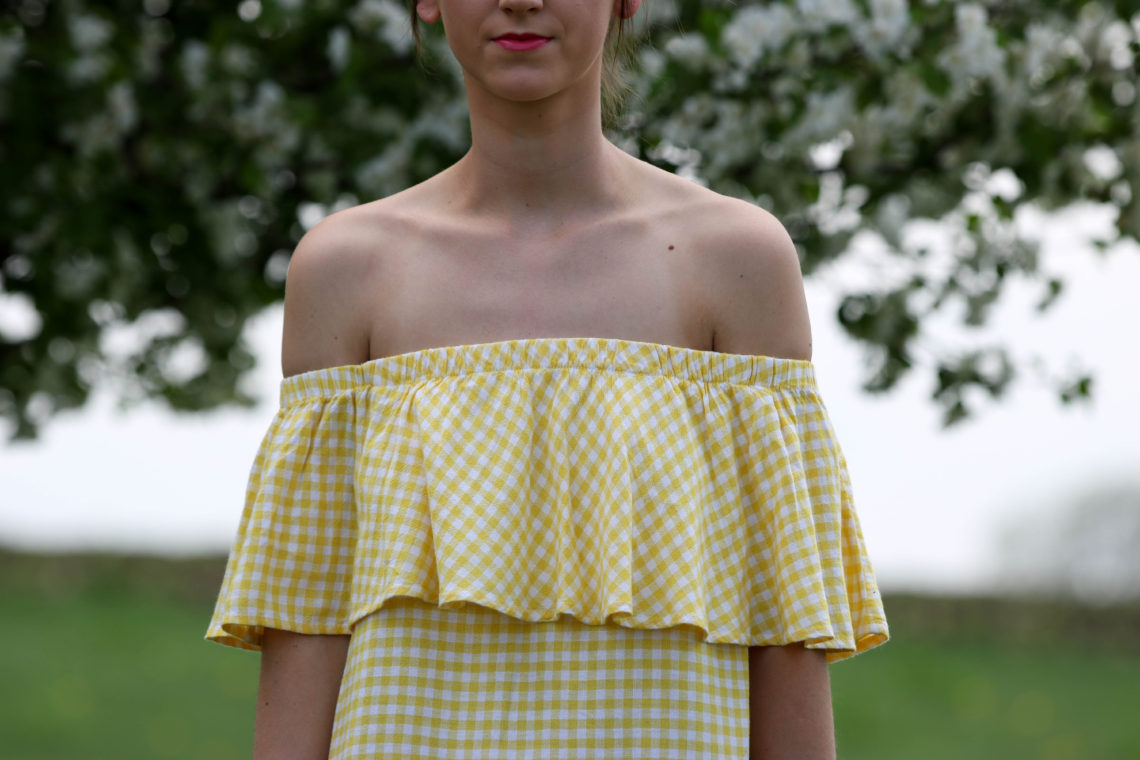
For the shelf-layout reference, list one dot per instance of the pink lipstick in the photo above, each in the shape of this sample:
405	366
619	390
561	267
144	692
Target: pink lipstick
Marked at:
521	41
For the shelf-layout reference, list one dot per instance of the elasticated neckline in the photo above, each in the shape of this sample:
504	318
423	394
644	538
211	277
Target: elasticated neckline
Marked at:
614	355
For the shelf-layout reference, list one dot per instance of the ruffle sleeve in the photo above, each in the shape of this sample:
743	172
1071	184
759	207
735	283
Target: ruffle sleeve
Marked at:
291	564
645	488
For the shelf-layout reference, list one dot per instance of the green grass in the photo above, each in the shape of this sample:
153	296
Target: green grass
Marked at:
987	699
110	663
107	675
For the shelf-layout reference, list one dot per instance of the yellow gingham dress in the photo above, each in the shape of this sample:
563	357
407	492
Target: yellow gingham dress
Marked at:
551	547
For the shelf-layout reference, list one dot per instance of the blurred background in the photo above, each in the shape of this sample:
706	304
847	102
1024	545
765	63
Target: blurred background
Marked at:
959	179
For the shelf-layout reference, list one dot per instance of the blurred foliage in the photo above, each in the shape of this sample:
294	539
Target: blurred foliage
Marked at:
160	160
188	580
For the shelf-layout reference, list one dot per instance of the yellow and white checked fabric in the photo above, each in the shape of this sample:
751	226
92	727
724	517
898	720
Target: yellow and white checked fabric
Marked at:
620	482
424	681
551	547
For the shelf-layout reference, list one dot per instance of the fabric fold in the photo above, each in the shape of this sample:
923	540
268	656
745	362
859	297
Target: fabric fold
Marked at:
617	482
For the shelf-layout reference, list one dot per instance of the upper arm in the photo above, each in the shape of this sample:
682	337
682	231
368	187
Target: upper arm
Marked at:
325	326
790	714
297	694
756	288
326	322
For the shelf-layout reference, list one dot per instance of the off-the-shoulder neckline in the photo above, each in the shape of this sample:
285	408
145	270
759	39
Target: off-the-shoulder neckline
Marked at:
615	356
564	340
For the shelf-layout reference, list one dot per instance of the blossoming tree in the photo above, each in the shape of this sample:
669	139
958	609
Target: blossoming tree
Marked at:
161	159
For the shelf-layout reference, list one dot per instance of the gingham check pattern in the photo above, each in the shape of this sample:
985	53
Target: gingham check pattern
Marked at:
475	684
620	482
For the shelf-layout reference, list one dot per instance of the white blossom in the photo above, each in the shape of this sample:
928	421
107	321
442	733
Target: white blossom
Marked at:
906	100
88	32
238	60
11	50
384	173
891	217
93	135
1114	45
265	122
664	11
446	123
868	133
19	318
976	53
652	63
1103	163
1041	47
826	115
978	39
193	61
386	19
971	19
151	45
820	14
121	106
683	127
690	49
229	228
884	31
184	361
1090	22
88	67
249	10
338	48
368	15
265	114
756	30
798	55
732	137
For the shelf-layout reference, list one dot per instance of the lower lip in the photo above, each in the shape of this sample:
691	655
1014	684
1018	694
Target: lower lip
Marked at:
530	44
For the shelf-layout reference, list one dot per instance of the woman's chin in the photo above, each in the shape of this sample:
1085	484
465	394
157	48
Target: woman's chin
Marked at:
520	95
524	86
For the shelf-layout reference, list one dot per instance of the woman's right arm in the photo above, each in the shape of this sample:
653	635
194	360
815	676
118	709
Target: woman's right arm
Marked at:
325	326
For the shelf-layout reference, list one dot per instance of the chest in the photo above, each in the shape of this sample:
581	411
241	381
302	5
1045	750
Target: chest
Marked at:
637	283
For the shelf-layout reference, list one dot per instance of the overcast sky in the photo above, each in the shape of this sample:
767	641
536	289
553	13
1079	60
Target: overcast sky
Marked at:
932	502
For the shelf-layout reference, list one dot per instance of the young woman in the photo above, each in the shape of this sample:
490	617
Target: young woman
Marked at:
551	476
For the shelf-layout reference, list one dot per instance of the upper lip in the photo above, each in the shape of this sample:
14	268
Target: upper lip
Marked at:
521	36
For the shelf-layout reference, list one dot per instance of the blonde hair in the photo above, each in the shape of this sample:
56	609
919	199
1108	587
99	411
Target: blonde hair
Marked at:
615	86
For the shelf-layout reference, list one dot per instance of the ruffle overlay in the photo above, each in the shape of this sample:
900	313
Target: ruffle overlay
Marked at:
623	482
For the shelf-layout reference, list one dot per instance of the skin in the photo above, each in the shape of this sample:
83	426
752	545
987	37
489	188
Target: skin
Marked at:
543	229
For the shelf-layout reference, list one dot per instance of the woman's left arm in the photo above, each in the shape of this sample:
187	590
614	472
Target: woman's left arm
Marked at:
297	695
789	691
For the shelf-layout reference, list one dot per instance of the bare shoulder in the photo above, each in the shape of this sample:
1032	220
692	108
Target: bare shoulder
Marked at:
750	275
327	290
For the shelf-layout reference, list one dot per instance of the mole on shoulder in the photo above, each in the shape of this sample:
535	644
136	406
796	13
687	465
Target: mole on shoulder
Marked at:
670	248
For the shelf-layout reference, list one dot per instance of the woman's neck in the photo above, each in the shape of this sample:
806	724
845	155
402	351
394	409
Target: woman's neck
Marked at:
535	165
